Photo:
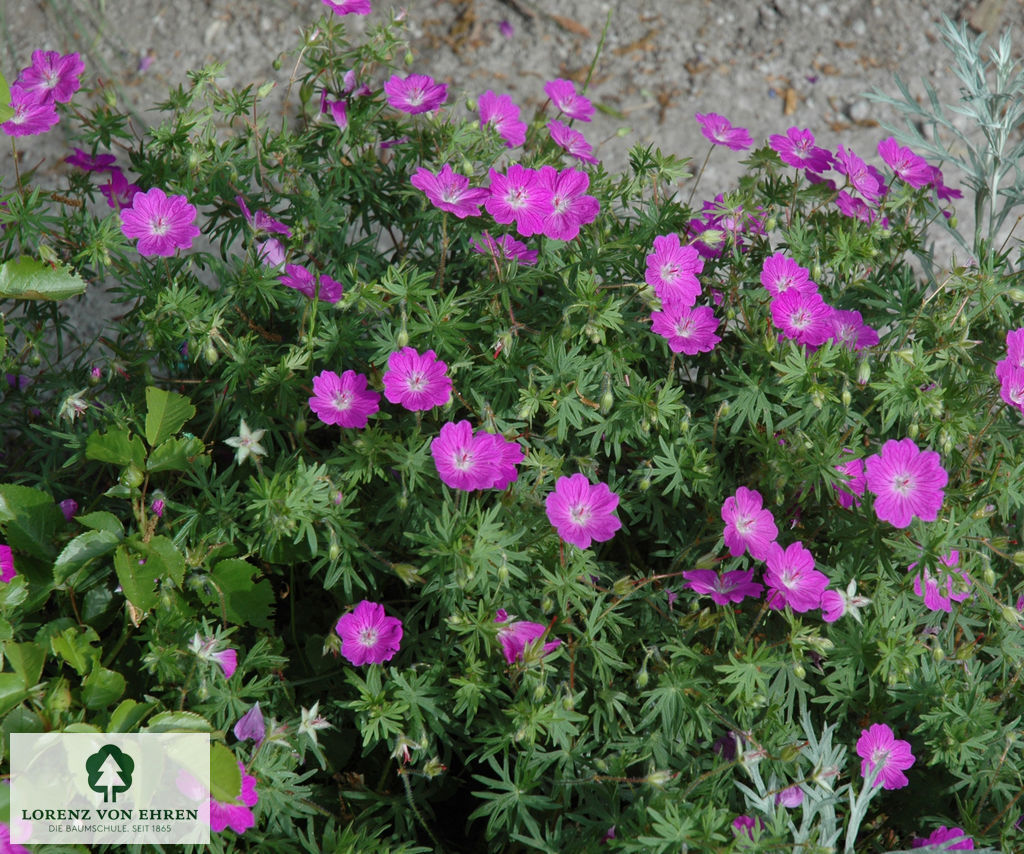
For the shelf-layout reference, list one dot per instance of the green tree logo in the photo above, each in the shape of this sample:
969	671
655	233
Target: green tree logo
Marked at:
110	772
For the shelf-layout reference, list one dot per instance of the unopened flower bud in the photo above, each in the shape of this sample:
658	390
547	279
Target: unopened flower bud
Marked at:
402	338
1018	558
988	576
1010	615
1016	294
799	670
607	402
642	678
790	752
817	398
913	430
863	372
539	691
847	398
210	354
131	477
623	586
409	59
644	485
938	654
434	768
547	605
659	778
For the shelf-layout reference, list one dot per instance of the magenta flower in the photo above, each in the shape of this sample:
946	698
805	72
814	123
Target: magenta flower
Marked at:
51	76
1011	384
571	208
69	507
572	141
504	247
780	274
906	481
850	493
209	649
516	635
270	252
878	747
464	461
417	93
862	178
748	527
792	579
228	661
520	196
850	330
368	635
910	168
803	317
1015	347
833	605
417	382
450	191
506	455
90	162
790	797
734	586
8	847
720	131
162	223
261	221
251	727
343	400
502	113
306	282
936	594
33	113
7	571
672	271
582	512
797	149
118	192
238	815
563	95
348	7
745	825
854	208
687	330
942	836
942	192
157	506
339	112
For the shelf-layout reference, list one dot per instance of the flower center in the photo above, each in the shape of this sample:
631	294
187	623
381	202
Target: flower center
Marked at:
416	381
342	400
580	514
744	524
463	460
368	637
159	226
880	756
903	483
516	197
415	96
684	328
799	319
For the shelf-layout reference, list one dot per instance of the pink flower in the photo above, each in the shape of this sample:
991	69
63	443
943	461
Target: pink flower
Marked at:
251	727
348	7
862	177
855	483
51	76
517	635
797	148
520	196
69	507
464	461
1011	384
687	330
343	400
1015	347
339	112
745	825
7	571
208	649
833	605
720	131
792	579
571	208
162	223
228	661
368	635
572	141
90	162
911	168
563	95
803	317
582	512
8	847
118	192
942	836
672	271
942	192
33	113
504	247
261	221
237	816
270	252
157	507
906	481
734	586
450	191
748	527
937	597
304	281
878	747
506	455
417	93
780	274
850	330
854	208
417	382
502	113
790	797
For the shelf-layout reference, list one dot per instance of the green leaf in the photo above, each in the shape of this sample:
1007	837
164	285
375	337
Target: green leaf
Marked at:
77	649
6	110
82	728
81	550
101	688
27	278
139	568
12	691
101	520
128	715
177	454
118	447
27	661
30	519
166	414
244	602
178	722
225	776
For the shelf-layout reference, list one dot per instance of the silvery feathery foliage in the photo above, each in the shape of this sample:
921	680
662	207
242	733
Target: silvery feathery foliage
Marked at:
992	96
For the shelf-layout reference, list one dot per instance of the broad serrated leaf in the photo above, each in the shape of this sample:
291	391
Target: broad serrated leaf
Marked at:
244	602
225	776
28	278
101	520
177	454
29	519
81	550
26	659
178	722
12	691
101	688
118	447
128	715
166	414
76	648
139	568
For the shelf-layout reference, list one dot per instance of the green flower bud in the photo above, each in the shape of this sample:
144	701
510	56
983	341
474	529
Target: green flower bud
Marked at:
409	59
539	691
623	586
644	484
547	605
863	372
988	576
938	654
659	778
300	426
790	752
1016	294
799	670
210	354
1018	558
953	221
607	402
131	477
913	430
642	678
847	398
817	398
402	338
1010	615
